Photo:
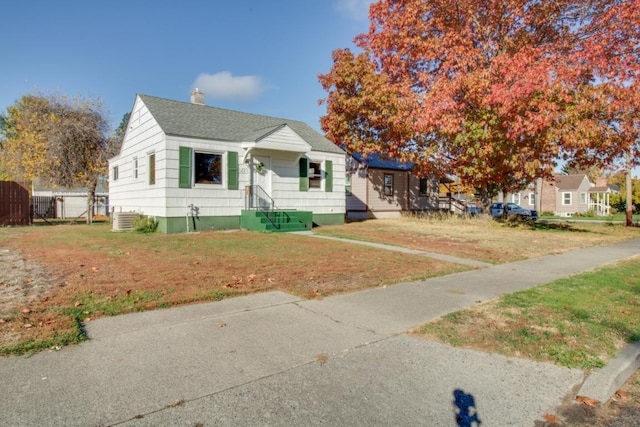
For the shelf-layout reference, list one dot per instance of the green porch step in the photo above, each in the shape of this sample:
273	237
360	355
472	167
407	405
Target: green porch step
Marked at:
281	220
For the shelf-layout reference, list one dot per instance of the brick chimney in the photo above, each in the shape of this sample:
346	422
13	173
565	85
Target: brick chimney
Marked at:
197	97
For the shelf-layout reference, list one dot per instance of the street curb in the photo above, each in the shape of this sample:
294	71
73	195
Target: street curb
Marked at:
602	384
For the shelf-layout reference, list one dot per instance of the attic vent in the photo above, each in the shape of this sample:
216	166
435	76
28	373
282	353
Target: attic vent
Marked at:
123	221
197	97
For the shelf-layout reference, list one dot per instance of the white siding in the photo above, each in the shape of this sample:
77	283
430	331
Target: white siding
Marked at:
127	193
166	199
284	139
286	185
211	200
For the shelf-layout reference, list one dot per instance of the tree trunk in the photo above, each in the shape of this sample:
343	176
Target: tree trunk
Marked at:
629	184
91	195
538	196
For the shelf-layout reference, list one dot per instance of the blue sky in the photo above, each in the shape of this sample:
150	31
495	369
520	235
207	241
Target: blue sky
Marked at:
258	56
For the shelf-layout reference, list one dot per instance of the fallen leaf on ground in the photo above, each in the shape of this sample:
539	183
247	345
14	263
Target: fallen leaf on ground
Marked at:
174	404
322	358
550	418
587	401
621	394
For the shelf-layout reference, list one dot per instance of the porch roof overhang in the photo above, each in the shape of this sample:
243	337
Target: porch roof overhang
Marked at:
276	146
279	138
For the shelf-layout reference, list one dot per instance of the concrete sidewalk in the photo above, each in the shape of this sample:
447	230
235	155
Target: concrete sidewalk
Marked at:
274	359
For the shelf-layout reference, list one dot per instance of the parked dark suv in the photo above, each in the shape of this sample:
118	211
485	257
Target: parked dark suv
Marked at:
497	210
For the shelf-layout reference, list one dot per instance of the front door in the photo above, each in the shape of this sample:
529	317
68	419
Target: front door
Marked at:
262	178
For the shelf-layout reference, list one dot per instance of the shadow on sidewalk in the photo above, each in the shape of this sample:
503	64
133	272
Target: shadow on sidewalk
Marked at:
465	409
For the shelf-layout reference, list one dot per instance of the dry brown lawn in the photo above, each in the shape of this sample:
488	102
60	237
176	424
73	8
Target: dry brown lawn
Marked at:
482	238
89	271
52	276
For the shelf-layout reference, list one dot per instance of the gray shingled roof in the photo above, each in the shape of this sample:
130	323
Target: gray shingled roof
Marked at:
202	121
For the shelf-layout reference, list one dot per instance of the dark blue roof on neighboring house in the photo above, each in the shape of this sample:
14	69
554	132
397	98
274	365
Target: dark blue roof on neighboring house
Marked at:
378	161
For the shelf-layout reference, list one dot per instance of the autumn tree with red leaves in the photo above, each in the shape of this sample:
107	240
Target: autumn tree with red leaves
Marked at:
611	48
493	92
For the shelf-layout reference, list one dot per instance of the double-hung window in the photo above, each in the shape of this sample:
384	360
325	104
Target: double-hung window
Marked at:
388	184
207	168
312	175
315	175
152	168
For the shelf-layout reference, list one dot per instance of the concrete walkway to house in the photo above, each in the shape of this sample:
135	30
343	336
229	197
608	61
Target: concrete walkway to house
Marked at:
434	255
276	360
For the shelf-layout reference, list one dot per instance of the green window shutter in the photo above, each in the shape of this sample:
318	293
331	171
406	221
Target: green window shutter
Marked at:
304	174
184	167
328	176
232	170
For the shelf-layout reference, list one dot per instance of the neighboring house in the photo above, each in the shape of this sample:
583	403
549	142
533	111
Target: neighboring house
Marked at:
566	195
194	166
383	188
572	194
68	203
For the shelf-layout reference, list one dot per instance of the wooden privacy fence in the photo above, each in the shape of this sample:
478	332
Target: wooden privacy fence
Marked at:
14	203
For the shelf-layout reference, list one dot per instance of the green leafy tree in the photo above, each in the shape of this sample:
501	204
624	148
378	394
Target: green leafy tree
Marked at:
619	201
118	136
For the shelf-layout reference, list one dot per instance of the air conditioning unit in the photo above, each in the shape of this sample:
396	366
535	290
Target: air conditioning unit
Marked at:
123	221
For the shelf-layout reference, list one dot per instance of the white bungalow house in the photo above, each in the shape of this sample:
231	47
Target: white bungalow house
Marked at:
193	166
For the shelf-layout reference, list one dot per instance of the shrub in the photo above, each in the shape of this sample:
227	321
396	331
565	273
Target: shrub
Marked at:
145	224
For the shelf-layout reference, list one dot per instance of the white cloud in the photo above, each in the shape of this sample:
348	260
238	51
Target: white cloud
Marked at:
224	85
354	9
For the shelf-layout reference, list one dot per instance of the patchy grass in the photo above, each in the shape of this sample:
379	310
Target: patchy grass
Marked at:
482	238
93	272
577	322
90	271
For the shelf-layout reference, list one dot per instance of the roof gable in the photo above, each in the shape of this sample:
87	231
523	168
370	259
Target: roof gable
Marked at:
202	121
280	138
569	182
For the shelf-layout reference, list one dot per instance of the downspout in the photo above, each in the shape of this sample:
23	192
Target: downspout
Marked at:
186	214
